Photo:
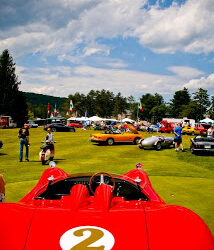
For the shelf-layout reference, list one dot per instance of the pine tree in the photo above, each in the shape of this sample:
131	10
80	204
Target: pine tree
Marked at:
12	101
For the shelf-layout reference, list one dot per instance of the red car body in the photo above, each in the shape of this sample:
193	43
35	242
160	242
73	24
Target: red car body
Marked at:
167	127
61	212
202	128
75	124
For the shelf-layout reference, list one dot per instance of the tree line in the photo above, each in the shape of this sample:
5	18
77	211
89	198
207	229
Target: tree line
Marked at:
104	103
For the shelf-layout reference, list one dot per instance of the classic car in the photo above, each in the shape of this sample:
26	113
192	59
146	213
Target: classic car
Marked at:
190	130
202	143
114	136
1	144
59	127
166	127
153	128
75	124
99	211
31	124
157	142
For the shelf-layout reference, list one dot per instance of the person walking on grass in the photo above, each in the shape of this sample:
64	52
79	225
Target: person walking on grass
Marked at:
178	138
23	136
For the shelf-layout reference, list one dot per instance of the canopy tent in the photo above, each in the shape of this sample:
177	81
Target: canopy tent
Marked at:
83	118
95	118
207	120
127	120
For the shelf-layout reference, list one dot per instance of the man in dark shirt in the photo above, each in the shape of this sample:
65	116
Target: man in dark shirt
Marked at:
23	136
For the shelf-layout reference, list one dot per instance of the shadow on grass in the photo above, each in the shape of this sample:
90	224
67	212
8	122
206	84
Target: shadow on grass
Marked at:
3	154
204	153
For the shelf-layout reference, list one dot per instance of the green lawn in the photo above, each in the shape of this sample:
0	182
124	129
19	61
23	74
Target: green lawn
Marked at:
178	177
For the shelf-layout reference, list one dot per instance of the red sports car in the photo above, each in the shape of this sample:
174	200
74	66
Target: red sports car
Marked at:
99	211
75	124
167	127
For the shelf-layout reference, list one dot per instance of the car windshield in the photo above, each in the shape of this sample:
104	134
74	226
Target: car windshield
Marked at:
204	138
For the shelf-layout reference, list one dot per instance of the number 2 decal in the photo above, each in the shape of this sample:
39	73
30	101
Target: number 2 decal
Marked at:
88	238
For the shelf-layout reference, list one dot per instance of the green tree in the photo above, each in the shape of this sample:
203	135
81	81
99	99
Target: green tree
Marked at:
211	110
148	102
12	101
201	98
180	98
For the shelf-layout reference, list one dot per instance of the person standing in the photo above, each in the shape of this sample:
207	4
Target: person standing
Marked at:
178	138
50	143
23	136
210	131
2	189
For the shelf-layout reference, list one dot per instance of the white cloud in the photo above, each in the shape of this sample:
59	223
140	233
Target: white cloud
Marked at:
203	82
188	27
185	72
62	81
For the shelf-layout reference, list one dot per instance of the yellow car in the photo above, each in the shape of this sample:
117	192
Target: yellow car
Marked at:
190	130
110	137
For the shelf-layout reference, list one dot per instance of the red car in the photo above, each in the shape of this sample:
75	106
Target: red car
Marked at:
75	124
167	127
99	211
202	128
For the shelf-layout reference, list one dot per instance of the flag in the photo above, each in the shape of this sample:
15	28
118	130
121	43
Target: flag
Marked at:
48	108
140	106
71	106
55	109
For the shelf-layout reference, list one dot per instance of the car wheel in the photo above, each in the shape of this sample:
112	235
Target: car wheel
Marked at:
136	140
53	129
43	162
158	146
110	141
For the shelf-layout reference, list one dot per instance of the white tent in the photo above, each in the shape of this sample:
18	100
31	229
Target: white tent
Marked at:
127	120
207	120
83	118
95	118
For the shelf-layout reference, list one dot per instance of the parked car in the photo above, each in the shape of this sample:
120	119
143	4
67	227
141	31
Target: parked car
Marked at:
111	137
1	144
75	124
153	128
99	211
32	124
202	143
59	127
166	127
203	128
157	142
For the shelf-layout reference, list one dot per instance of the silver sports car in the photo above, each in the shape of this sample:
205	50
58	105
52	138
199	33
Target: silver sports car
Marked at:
157	141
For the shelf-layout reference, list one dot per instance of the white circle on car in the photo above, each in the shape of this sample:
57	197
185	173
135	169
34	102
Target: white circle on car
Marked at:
85	237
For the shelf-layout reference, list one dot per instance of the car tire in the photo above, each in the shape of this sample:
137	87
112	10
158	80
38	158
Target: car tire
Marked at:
43	162
110	141
136	140
53	129
158	146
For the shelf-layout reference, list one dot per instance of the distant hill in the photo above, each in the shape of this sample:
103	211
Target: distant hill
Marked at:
43	99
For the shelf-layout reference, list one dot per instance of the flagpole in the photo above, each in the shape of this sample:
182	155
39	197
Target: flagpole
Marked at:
137	112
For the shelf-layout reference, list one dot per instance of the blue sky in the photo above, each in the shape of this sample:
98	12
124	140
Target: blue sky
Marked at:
134	47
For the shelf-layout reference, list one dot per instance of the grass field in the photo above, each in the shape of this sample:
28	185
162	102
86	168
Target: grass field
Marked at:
178	177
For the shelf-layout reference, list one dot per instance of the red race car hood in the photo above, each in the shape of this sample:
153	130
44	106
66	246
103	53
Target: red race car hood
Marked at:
67	230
